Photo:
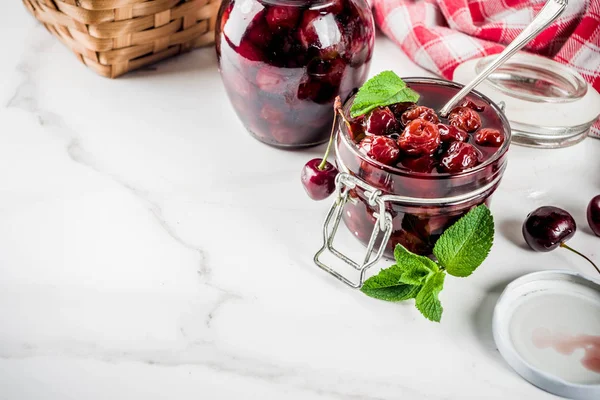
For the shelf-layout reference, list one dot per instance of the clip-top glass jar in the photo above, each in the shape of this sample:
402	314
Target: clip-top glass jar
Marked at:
283	62
384	205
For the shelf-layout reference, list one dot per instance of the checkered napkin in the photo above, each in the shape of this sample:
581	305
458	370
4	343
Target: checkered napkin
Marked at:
439	35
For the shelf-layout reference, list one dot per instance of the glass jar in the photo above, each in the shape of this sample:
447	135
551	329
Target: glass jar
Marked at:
283	62
383	205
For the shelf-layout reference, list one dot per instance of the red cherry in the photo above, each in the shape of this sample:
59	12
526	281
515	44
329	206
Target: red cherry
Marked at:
318	183
420	137
459	157
547	227
330	71
375	176
258	32
382	149
465	118
356	129
318	30
381	121
422	112
593	215
472	105
489	137
449	133
421	164
279	17
411	241
399	108
309	90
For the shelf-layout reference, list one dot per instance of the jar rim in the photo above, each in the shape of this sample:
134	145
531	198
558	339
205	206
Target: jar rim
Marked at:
345	138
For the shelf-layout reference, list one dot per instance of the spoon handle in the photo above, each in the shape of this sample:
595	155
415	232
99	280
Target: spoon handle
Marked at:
545	17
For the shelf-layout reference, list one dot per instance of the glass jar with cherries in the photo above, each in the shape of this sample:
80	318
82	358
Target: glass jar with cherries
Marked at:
406	174
283	62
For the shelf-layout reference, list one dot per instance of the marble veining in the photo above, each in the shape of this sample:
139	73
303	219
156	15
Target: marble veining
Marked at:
150	249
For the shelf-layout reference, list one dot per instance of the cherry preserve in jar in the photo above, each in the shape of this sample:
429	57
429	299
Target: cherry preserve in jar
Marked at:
413	199
283	62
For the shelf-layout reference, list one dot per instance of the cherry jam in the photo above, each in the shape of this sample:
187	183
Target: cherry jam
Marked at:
442	167
283	62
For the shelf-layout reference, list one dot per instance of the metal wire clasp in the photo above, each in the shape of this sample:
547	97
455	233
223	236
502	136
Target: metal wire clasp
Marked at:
344	183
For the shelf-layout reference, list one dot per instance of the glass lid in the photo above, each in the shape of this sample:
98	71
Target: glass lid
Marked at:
548	104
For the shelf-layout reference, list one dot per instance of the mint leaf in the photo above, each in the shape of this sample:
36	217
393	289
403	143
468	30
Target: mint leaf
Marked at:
463	247
414	268
387	286
382	90
427	300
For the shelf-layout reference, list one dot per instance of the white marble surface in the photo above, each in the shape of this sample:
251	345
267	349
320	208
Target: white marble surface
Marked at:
150	249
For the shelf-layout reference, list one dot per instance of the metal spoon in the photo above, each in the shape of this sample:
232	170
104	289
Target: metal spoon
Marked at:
545	17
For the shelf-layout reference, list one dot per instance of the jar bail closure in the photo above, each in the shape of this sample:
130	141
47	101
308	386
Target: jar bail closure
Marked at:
345	182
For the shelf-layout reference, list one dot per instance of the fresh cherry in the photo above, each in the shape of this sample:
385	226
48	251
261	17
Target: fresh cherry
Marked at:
465	118
547	228
318	175
593	215
459	157
422	112
318	178
449	133
382	149
489	137
381	121
420	137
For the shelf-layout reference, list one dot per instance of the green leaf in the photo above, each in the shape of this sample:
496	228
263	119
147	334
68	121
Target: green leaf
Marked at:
463	247
382	90
414	268
427	301
387	286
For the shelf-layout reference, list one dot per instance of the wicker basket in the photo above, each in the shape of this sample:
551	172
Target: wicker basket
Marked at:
116	36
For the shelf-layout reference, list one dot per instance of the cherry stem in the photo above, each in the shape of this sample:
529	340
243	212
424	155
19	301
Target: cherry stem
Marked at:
321	166
576	252
339	108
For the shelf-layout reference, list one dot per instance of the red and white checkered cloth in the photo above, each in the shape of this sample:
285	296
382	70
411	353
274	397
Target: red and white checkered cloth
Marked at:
439	35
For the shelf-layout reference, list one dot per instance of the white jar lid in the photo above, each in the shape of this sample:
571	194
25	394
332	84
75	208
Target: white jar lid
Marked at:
547	327
547	103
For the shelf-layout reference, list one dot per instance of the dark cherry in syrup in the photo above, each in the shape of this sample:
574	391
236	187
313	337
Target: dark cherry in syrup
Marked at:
295	57
422	112
420	137
465	118
449	134
383	149
459	157
418	228
489	137
381	121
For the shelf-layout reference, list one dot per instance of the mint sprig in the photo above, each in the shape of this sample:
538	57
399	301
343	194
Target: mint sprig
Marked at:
382	90
459	251
464	246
